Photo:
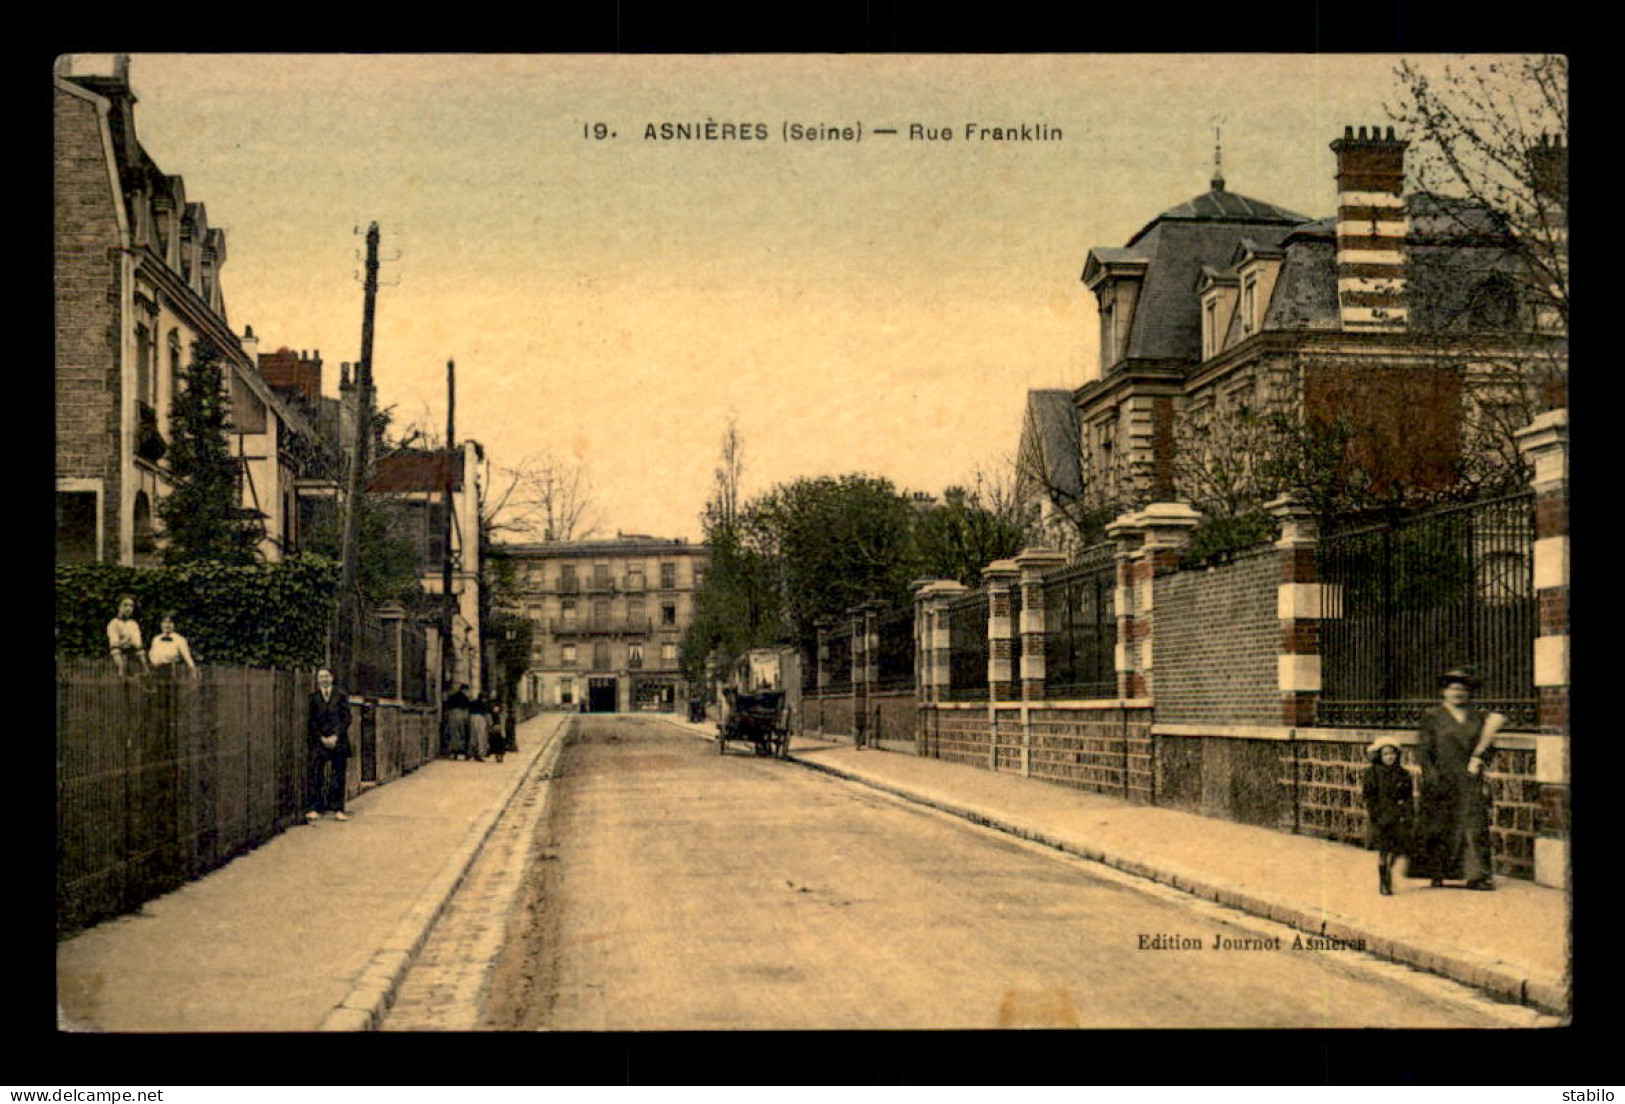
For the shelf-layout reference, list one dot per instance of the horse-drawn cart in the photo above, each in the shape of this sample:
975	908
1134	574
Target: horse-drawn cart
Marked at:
761	718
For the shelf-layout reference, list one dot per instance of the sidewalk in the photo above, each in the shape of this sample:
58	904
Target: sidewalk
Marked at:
312	931
1512	943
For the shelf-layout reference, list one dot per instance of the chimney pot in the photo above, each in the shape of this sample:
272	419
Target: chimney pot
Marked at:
121	67
1348	133
1390	134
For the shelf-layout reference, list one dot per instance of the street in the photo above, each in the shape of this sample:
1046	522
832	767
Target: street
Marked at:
672	888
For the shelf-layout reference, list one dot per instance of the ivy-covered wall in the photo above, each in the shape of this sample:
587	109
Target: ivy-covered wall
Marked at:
262	615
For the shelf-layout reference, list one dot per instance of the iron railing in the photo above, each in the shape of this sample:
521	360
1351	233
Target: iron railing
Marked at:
1408	599
1080	621
967	643
896	659
839	665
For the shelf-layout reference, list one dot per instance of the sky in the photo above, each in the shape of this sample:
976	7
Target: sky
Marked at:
880	305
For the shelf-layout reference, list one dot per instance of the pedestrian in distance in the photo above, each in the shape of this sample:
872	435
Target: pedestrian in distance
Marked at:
479	728
170	652
1387	790
329	735
124	639
455	718
1453	746
500	732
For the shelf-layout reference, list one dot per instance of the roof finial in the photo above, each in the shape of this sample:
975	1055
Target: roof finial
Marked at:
1218	156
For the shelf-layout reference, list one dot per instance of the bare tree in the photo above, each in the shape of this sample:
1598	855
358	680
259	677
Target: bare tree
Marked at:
1496	133
722	511
543	497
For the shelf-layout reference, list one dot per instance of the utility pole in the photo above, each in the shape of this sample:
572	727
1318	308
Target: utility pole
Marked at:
348	605
448	615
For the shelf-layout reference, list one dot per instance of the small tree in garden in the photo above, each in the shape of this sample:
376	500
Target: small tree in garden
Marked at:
202	516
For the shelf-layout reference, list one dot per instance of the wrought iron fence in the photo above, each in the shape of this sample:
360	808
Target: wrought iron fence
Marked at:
1410	598
380	671
967	643
896	659
839	643
1080	621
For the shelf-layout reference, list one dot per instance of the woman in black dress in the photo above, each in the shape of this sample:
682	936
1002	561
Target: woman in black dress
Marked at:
1453	822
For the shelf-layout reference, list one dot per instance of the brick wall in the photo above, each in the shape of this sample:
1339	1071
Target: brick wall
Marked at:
1216	639
87	307
897	714
1330	804
963	736
1102	750
1007	740
1238	779
832	714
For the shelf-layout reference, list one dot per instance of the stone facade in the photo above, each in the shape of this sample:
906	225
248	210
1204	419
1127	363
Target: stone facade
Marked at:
608	619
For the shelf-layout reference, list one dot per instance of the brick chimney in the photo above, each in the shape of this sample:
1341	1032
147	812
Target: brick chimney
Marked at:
1371	230
1549	168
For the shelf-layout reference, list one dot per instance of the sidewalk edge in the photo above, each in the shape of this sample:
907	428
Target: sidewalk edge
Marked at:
1545	994
363	1008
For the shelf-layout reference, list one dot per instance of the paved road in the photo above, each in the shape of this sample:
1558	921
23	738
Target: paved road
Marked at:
672	888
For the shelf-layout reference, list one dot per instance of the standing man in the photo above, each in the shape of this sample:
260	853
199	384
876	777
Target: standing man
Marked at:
329	747
454	711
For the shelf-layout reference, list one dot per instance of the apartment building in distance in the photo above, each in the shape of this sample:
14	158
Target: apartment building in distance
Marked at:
608	617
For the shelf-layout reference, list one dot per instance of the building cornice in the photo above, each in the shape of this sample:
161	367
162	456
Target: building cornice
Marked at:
1157	375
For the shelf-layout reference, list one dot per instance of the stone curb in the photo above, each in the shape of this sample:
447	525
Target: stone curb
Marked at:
363	1008
1496	978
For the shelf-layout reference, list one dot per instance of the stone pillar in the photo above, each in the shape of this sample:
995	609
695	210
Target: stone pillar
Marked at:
821	627
931	599
1149	543
1301	604
1000	577
393	614
1130	540
1545	443
1033	563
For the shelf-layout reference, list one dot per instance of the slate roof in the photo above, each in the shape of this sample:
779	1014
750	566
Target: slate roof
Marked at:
1168	320
1053	418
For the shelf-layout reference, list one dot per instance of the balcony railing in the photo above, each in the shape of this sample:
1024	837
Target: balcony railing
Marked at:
597	626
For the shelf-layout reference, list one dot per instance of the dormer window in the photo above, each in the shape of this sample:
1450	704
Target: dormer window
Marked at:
1249	305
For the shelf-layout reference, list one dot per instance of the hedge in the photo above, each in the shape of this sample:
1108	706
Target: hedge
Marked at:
262	615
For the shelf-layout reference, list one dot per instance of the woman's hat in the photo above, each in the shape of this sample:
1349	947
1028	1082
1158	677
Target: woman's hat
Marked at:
1461	675
1381	742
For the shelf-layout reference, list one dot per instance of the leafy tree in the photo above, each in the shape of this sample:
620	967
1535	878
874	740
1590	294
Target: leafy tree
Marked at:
202	515
387	558
838	540
958	538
